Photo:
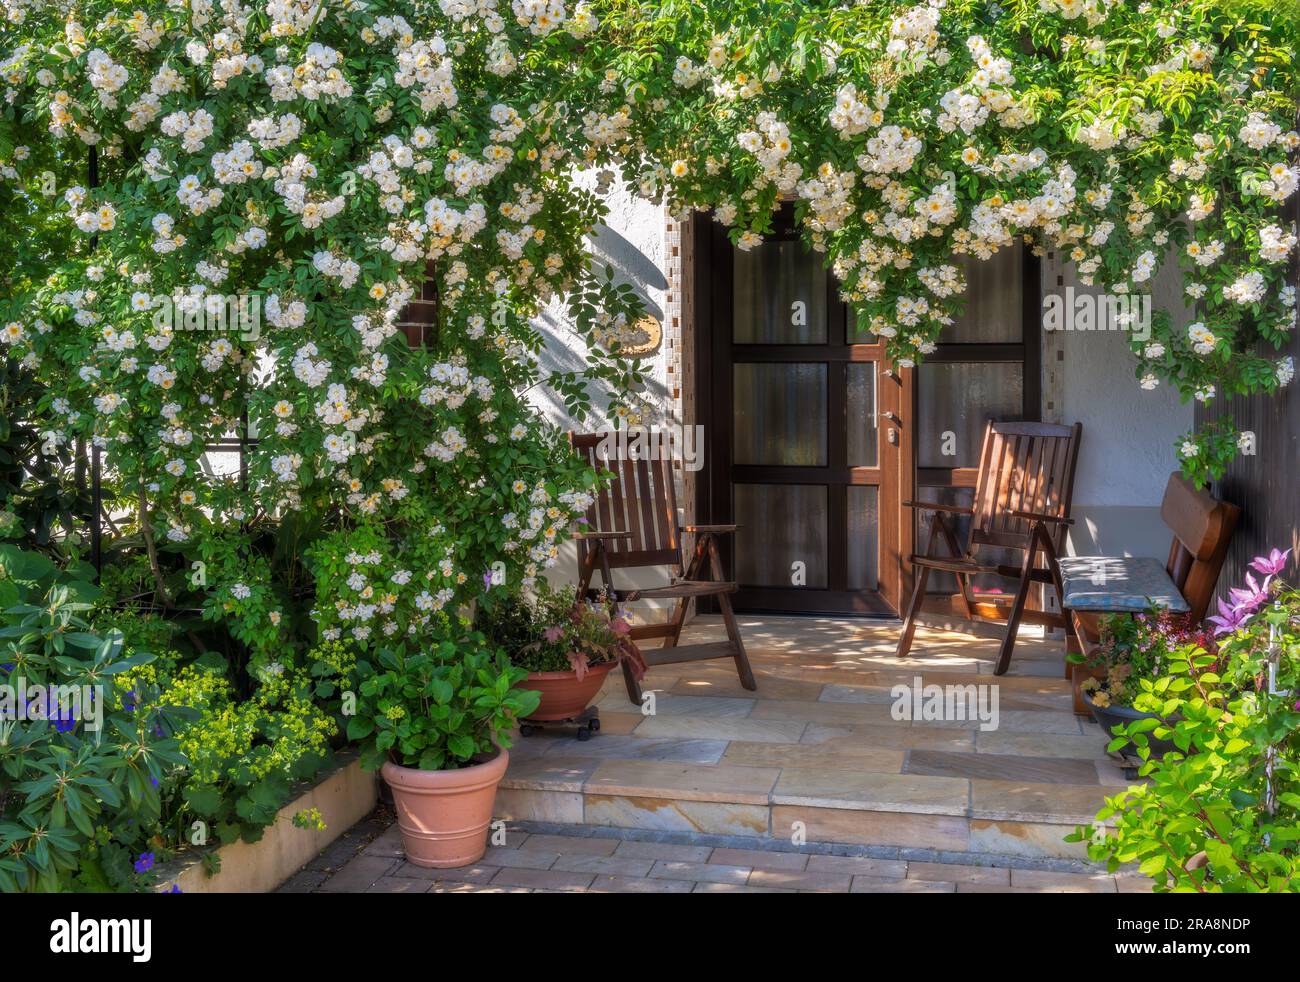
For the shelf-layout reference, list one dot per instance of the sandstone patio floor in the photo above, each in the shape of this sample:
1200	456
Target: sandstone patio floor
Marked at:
816	752
809	783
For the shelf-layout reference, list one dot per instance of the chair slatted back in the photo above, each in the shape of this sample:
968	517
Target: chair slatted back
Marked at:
640	500
1202	527
1023	467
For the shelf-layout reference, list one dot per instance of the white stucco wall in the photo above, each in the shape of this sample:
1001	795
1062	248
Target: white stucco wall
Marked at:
632	240
1129	433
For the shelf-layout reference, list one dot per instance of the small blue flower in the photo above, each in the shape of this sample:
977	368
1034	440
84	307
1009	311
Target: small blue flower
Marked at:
145	863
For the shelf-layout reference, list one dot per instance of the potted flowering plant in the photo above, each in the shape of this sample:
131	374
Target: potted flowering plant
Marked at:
1134	648
567	646
435	719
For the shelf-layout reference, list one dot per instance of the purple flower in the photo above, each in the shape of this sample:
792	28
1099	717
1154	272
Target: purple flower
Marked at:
1251	599
1229	619
1272	564
176	888
145	863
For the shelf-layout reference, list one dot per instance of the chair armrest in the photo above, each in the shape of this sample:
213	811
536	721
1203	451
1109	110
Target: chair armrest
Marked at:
709	528
592	536
940	506
1034	516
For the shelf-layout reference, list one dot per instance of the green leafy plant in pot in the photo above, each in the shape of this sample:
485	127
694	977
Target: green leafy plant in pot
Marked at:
436	721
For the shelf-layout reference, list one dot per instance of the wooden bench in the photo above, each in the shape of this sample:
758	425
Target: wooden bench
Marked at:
1095	586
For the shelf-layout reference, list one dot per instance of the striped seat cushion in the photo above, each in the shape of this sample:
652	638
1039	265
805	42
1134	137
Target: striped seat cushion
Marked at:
1118	583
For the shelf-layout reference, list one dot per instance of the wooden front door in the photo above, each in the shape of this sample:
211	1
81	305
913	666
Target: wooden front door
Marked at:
806	438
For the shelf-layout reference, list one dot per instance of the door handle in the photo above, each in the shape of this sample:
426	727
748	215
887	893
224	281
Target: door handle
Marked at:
892	416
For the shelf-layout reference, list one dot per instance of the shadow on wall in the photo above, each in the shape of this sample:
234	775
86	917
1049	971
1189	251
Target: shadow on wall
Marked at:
631	266
566	352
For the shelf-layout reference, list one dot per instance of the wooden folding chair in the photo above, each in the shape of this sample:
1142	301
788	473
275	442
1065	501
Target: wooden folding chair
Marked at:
633	523
1022	502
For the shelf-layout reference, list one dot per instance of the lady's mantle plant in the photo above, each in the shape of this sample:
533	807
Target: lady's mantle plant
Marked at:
1221	813
326	163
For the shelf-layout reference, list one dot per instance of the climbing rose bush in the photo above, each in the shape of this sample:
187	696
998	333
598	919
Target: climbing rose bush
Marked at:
330	164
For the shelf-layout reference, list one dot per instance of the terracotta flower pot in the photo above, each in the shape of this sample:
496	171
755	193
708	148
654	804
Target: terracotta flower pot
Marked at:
563	696
444	815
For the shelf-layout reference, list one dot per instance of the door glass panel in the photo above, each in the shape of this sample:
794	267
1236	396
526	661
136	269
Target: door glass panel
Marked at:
955	400
780	414
860	413
780	524
780	295
994	300
863	525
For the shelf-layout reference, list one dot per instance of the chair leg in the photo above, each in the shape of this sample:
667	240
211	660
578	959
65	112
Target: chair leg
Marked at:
733	632
633	686
677	620
1017	607
913	609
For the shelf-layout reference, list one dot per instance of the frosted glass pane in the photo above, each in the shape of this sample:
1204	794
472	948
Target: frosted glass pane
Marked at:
770	280
860	414
954	402
780	524
994	300
780	414
864	525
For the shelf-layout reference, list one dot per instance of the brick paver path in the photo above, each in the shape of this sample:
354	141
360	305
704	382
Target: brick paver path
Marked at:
369	859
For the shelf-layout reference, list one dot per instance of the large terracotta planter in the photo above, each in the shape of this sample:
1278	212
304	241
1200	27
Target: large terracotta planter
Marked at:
444	815
563	696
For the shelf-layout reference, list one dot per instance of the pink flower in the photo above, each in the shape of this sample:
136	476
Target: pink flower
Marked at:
1272	564
620	626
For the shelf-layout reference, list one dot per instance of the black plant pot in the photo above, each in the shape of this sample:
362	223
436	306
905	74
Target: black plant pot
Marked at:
1109	717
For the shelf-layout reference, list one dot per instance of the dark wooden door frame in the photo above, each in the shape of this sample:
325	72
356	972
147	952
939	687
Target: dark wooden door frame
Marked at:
714	356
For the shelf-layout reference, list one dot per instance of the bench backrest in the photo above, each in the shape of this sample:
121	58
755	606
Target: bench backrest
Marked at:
1202	526
639	499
